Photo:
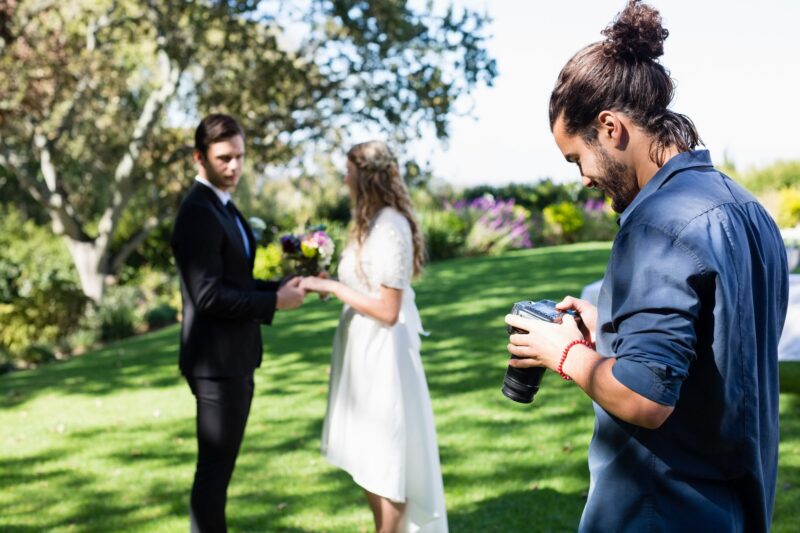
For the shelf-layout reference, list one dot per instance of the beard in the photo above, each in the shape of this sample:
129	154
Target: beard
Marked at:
618	182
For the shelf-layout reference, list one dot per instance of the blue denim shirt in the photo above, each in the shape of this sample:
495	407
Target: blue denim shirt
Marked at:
692	307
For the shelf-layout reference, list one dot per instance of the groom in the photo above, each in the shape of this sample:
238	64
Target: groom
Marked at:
223	308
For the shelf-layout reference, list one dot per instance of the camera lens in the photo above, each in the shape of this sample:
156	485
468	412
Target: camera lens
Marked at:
522	384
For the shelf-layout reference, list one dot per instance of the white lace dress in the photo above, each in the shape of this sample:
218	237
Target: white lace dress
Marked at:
379	423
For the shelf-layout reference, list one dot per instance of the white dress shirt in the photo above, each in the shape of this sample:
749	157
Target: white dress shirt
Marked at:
225	197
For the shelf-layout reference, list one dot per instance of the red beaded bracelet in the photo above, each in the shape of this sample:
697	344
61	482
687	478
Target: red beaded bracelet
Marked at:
560	368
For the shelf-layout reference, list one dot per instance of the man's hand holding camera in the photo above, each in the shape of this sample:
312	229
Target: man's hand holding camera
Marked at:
541	343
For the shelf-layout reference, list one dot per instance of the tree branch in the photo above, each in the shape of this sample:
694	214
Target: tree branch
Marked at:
71	105
170	74
179	154
62	215
130	246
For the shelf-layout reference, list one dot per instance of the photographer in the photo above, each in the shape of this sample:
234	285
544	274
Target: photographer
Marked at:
680	357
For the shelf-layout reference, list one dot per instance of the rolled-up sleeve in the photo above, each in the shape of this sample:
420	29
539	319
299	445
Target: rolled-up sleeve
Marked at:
654	312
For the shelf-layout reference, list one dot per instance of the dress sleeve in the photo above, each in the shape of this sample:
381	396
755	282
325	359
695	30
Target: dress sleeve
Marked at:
655	309
393	257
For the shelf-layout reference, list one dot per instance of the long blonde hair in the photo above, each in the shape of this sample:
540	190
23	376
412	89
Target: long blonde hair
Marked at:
378	184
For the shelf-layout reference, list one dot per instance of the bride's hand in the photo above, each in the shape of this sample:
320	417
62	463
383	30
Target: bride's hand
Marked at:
320	285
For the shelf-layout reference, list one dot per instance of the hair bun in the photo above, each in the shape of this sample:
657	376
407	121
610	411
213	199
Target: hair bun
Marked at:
636	33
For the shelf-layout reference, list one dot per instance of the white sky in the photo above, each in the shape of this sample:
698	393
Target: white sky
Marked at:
736	64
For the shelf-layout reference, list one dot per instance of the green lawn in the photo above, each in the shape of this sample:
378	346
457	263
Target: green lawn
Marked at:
104	442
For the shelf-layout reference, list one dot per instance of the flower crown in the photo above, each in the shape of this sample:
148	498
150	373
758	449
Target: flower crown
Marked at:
378	162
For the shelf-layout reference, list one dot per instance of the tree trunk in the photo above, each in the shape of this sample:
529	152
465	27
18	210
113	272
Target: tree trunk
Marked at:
91	264
92	255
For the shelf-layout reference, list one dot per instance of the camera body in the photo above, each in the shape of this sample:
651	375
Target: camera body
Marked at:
522	384
541	309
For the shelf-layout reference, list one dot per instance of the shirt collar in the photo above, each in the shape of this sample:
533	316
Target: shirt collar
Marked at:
224	196
678	163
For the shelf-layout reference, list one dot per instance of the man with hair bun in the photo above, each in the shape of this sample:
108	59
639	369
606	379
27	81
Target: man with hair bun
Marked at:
680	354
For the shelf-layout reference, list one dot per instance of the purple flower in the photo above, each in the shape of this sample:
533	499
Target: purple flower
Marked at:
290	244
593	205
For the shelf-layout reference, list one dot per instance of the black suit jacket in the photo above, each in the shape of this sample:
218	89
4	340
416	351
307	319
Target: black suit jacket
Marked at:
223	306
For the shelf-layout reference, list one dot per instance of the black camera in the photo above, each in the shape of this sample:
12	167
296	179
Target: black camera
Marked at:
522	384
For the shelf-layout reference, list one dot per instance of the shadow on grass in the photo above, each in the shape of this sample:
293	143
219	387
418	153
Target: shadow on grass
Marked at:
62	495
500	460
787	496
532	510
790	377
148	360
462	302
452	297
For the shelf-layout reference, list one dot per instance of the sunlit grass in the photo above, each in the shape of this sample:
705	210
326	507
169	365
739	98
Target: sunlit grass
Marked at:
104	442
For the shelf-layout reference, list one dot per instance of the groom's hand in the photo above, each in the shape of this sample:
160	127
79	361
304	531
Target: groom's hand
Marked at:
286	279
290	295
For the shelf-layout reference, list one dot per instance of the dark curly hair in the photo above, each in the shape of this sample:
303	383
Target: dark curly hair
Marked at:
622	73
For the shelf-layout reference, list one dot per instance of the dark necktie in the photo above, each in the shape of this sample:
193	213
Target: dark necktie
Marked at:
232	212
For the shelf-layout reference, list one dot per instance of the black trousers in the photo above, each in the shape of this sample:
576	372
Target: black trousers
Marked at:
222	408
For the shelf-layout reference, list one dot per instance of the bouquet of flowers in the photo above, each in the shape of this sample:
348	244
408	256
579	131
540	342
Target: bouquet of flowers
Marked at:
310	252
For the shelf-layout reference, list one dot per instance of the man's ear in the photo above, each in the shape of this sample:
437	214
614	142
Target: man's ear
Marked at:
198	156
610	129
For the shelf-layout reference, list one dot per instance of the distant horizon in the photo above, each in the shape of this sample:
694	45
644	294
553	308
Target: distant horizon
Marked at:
733	78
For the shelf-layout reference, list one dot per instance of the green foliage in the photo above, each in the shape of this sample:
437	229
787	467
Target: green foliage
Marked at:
154	253
562	222
291	204
535	196
87	335
598	225
36	354
89	92
445	233
789	208
155	286
6	361
40	299
116	316
268	262
160	316
779	175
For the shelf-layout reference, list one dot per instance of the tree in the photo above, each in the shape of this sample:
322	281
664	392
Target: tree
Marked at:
98	98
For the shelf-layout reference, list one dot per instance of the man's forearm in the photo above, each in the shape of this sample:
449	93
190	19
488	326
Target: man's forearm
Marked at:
592	372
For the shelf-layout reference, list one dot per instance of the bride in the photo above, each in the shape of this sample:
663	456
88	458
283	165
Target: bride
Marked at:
379	424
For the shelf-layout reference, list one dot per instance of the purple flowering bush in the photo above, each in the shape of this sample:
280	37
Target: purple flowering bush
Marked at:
495	225
491	225
568	222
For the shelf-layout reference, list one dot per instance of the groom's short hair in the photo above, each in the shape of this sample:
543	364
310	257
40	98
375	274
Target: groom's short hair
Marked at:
215	128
